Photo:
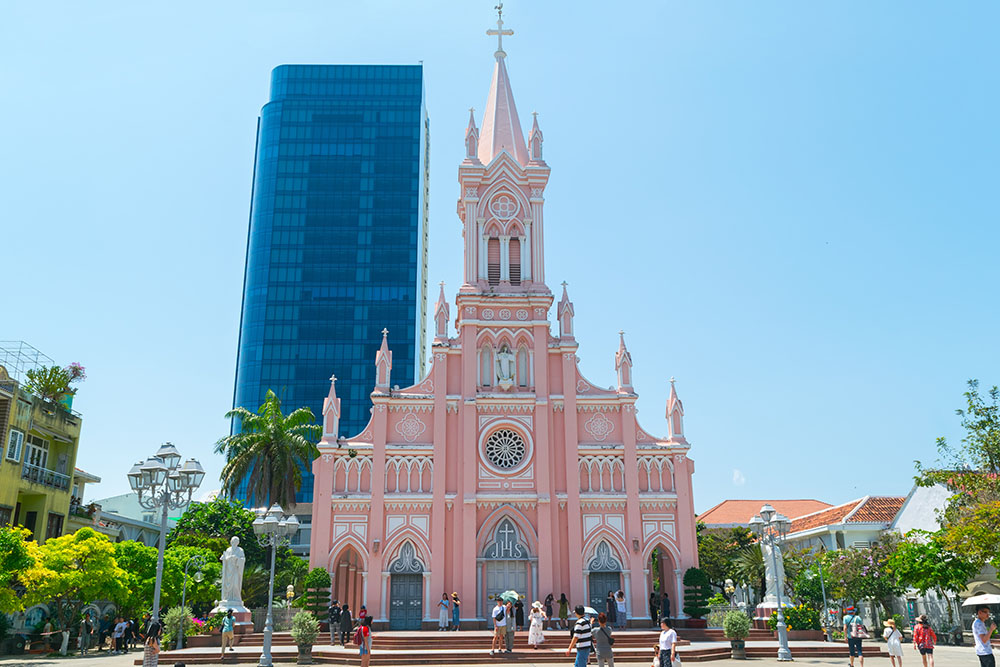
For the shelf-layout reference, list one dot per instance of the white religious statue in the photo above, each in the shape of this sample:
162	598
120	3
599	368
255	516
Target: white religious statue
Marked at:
774	578
505	364
233	561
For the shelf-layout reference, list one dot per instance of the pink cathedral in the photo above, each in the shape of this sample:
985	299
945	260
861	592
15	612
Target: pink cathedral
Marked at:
504	468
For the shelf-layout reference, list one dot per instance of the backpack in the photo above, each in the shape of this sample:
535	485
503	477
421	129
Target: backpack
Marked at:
359	636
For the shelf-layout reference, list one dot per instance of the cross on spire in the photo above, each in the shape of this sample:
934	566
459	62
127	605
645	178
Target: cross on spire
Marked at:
499	32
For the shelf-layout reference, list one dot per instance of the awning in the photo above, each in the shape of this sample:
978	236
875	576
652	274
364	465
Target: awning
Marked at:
52	434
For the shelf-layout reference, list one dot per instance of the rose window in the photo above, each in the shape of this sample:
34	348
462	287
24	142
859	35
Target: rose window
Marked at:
505	448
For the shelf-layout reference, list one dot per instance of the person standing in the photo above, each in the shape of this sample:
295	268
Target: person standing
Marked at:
519	615
550	617
536	627
667	643
654	606
894	643
511	627
582	638
333	619
563	611
456	615
499	627
621	614
982	634
346	624
364	637
854	631
443	613
924	640
118	635
665	606
602	642
151	647
610	608
85	629
228	634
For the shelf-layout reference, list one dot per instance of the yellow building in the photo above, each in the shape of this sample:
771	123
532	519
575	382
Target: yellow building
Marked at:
38	465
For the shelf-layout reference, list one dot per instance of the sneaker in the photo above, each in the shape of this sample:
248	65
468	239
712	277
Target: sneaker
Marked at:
491	652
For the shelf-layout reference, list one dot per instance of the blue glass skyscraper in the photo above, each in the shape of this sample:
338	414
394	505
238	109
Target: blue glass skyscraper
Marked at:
337	245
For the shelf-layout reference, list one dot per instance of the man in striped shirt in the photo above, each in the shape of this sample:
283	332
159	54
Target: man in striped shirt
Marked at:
582	638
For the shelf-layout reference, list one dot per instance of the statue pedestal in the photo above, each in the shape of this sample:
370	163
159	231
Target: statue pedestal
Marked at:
242	625
763	611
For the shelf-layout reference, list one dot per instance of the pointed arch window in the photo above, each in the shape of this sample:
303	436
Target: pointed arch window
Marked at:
493	261
515	261
522	367
486	366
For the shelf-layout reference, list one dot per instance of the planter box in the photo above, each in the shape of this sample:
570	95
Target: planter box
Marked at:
803	635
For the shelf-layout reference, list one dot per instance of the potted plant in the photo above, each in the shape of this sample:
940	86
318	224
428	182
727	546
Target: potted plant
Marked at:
696	597
736	626
305	629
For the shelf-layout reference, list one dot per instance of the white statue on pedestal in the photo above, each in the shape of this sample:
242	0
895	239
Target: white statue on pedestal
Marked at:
505	365
233	561
774	578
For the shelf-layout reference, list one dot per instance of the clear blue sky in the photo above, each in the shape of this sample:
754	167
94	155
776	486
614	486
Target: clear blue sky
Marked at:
790	206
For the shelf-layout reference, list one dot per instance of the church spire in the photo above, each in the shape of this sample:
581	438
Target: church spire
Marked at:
441	317
501	129
565	314
675	414
472	138
331	410
383	363
623	364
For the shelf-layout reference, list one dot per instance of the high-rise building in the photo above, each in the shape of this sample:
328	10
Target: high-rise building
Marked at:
337	244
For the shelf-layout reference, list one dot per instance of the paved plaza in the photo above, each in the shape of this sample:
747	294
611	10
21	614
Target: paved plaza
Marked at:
945	656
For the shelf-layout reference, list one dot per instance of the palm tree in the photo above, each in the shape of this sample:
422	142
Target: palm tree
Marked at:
269	452
749	568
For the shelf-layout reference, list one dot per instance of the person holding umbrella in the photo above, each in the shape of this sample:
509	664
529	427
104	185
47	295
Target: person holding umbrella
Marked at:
982	635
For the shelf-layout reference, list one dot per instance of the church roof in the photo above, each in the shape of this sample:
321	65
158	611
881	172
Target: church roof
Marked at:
501	127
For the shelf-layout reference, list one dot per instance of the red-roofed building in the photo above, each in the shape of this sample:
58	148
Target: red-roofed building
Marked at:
856	524
735	513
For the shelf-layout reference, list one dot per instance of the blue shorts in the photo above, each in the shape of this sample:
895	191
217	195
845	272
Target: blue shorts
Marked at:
363	649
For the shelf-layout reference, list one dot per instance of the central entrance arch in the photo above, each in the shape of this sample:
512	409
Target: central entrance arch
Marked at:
505	565
605	574
406	590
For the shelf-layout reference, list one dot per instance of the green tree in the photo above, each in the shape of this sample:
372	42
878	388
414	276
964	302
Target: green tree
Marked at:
201	595
697	593
210	525
865	574
73	571
718	550
16	558
52	383
749	568
269	452
971	471
808	587
317	585
923	563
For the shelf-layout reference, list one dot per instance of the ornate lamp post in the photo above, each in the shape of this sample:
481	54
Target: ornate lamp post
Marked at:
272	528
199	562
161	482
772	527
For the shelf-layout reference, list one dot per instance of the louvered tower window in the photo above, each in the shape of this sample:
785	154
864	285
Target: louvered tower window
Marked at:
493	261
515	261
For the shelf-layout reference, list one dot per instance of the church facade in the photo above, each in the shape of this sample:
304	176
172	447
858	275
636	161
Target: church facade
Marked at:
504	468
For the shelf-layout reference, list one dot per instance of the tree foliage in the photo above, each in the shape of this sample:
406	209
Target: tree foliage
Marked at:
211	524
697	592
317	585
73	571
929	565
971	471
865	574
269	452
16	558
749	568
53	383
718	550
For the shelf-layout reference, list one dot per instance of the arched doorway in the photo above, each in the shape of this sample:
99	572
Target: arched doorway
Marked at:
505	564
663	579
605	575
406	590
347	579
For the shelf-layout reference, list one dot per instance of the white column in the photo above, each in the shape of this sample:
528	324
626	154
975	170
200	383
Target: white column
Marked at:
479	590
364	586
482	252
427	597
679	603
384	611
538	254
526	251
505	258
586	587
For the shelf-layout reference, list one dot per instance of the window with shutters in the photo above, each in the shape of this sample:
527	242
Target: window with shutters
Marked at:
515	261
493	261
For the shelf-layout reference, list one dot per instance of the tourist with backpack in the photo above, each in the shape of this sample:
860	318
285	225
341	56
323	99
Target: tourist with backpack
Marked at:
363	638
855	631
333	618
499	616
924	640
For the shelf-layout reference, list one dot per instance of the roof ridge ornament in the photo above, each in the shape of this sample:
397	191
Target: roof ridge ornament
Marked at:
499	32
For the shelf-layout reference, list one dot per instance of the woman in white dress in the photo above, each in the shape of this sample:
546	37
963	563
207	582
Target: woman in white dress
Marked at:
537	619
443	612
894	643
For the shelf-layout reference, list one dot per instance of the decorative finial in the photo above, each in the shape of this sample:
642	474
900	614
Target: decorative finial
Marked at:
564	283
672	380
333	378
499	32
534	114
621	332
385	332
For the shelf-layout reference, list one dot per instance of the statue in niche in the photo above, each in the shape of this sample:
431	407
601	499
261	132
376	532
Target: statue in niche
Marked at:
505	364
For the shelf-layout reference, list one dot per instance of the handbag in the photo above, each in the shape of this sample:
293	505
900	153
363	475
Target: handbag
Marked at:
611	640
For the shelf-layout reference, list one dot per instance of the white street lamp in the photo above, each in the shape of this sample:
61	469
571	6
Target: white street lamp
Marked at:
772	527
272	528
161	485
199	562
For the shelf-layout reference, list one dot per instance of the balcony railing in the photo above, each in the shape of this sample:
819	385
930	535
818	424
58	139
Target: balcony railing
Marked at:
50	478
